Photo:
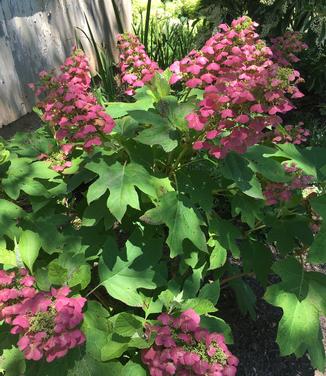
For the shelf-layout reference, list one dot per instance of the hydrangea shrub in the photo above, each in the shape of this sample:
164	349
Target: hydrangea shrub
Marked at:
182	347
120	222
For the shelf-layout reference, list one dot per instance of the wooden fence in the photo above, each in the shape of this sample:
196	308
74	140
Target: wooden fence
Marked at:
39	34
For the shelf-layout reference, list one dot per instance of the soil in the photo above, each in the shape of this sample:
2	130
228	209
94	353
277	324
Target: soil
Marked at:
254	341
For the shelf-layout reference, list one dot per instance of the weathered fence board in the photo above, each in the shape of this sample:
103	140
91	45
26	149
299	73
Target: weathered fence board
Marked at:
39	34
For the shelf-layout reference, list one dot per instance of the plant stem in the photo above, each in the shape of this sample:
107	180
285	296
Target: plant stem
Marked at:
179	157
186	95
93	290
189	163
148	14
236	276
101	300
255	229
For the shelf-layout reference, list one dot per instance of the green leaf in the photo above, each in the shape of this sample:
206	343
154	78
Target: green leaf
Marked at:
114	349
160	131
192	283
170	299
133	369
189	179
289	232
144	101
317	157
226	233
218	256
140	153
94	213
245	297
159	86
127	333
97	328
22	175
236	168
210	291
216	324
183	222
150	305
249	208
126	127
126	324
47	224
258	258
296	155
123	272
32	144
7	340
9	214
301	295
317	252
199	305
148	118
7	257
75	363
29	248
268	167
71	269
175	112
122	180
12	362
293	277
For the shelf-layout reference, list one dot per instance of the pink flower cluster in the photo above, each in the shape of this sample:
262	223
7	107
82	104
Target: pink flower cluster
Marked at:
244	90
183	348
58	160
136	67
45	321
291	134
15	286
286	47
283	192
70	107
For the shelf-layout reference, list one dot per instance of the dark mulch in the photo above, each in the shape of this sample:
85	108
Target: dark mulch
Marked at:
254	341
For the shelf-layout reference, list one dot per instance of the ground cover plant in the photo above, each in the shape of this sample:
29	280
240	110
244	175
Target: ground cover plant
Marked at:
122	221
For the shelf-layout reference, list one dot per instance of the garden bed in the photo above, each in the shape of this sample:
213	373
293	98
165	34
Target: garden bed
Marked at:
143	237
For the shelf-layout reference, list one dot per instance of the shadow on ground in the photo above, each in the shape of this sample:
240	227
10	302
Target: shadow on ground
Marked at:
28	123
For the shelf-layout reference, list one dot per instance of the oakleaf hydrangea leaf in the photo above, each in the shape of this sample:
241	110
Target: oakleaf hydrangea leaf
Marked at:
317	253
123	272
183	222
122	181
249	208
9	213
75	363
22	175
160	131
12	362
301	295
